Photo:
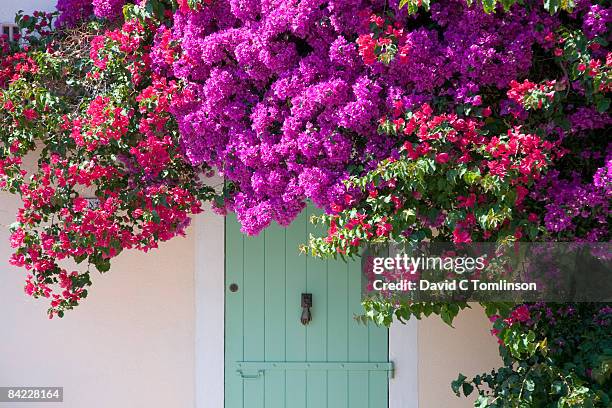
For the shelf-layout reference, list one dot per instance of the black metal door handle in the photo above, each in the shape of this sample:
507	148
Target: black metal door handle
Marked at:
306	305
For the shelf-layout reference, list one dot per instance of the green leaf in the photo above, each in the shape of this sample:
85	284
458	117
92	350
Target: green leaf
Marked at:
458	383
507	4
403	3
471	177
467	388
103	265
489	5
603	105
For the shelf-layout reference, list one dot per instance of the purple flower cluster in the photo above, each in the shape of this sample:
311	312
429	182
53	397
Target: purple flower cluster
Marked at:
603	177
603	317
485	49
589	119
74	11
577	205
597	20
108	9
280	101
279	97
569	203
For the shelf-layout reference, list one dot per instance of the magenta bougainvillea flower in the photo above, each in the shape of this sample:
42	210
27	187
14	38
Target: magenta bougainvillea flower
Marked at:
74	11
285	98
107	8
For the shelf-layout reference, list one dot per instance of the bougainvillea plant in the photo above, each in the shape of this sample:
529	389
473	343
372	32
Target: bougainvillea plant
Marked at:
481	121
86	105
559	353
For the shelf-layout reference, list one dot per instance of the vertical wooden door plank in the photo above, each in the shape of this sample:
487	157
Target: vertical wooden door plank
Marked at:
234	262
316	331
254	315
275	262
337	332
358	392
295	332
358	341
378	351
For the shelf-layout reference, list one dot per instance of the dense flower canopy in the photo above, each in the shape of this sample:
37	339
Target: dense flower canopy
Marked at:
285	98
73	12
321	101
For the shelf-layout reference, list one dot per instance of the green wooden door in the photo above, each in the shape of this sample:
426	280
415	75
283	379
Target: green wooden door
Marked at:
271	359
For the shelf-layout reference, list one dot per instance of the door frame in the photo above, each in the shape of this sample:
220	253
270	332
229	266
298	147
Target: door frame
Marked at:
209	286
210	310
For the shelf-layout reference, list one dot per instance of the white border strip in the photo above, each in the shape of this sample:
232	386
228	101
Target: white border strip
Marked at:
404	352
210	310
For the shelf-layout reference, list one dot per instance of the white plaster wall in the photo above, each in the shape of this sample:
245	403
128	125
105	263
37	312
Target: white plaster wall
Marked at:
129	345
445	351
429	355
8	8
